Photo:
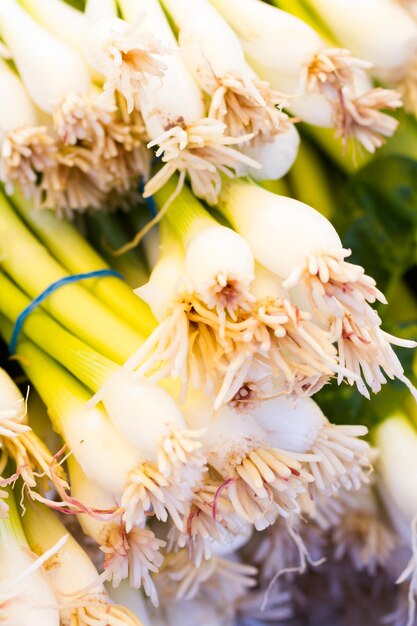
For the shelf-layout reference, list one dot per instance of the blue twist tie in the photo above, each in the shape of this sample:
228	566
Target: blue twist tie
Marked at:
47	292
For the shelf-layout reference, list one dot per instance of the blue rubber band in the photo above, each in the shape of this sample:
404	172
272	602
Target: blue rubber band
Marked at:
47	292
150	202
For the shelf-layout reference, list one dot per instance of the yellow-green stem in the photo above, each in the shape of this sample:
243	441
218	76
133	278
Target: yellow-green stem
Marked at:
185	215
350	158
402	306
11	531
34	270
309	181
42	527
307	15
68	247
279	187
84	362
59	390
232	192
403	143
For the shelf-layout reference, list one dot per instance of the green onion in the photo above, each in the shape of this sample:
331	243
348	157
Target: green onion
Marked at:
77	256
79	592
25	595
309	180
31	266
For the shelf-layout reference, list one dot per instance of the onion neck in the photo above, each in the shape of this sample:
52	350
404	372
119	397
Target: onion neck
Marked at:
186	216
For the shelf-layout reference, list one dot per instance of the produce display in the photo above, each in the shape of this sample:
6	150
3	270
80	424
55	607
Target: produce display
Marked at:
208	312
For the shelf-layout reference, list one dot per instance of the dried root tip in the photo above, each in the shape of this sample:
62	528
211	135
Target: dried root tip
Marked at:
183	346
225	294
102	152
261	512
256	608
213	349
4	482
248	106
362	118
340	294
90	611
132	555
74	183
80	119
181	448
271	467
267	483
299	353
96	124
12	422
365	539
181	579
249	396
25	153
276	335
211	518
34	462
149	491
330	71
128	57
201	150
345	461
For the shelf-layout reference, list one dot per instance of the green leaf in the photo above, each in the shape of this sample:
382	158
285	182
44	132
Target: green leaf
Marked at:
77	4
378	218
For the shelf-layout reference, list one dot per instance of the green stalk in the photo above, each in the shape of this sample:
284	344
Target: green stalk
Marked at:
185	215
85	363
309	181
43	528
107	234
309	16
402	305
61	393
279	187
403	143
34	270
40	422
11	531
68	247
349	159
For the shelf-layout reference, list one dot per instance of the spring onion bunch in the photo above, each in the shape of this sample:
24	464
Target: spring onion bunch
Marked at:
208	306
391	47
218	452
328	86
337	294
236	95
215	467
103	86
87	147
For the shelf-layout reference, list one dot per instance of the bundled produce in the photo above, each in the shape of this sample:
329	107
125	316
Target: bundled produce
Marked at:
207	259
